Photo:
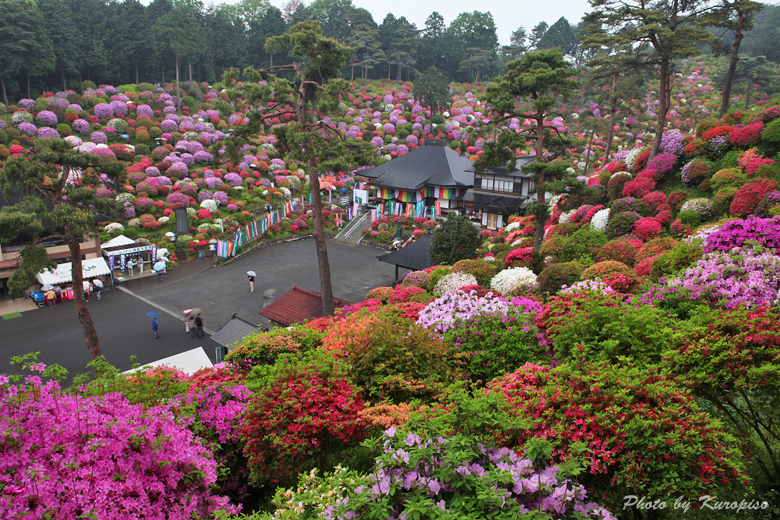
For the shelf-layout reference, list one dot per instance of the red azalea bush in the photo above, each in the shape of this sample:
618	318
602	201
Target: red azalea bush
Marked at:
679	229
748	135
647	228
518	258
748	197
652	200
302	409
645	267
664	217
676	198
621	250
638	188
404	294
220	374
623	282
645	434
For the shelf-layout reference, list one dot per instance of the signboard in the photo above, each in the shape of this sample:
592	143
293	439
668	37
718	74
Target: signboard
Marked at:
360	196
182	224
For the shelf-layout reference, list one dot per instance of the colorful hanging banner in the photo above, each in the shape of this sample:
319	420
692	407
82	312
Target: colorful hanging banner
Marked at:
384	193
440	193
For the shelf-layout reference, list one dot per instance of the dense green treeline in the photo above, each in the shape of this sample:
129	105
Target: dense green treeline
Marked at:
49	44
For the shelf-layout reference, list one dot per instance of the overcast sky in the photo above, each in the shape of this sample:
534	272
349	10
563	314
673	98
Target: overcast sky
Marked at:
508	15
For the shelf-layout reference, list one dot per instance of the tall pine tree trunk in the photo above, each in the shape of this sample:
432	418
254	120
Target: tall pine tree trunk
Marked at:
747	95
5	94
90	334
664	94
178	90
612	114
540	211
64	86
733	59
136	74
326	287
190	85
352	69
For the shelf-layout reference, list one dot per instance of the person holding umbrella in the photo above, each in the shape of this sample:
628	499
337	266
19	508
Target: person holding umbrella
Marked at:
98	287
187	318
160	268
155	325
86	286
251	275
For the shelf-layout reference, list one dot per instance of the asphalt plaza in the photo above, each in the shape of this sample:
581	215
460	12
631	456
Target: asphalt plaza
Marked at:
124	329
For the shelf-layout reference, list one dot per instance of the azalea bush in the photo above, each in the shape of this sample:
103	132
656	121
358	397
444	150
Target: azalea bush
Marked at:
744	276
264	348
513	279
303	409
595	326
732	363
646	434
459	477
69	455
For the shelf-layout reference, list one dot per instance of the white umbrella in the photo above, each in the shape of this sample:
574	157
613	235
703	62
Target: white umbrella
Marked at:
97	282
170	234
251	273
46	287
159	266
213	241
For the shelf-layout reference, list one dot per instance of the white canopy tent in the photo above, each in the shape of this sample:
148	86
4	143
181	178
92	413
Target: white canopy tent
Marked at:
188	362
63	274
119	240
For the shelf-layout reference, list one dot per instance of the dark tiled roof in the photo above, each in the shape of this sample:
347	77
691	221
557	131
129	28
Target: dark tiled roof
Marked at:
414	256
296	306
430	165
234	331
518	171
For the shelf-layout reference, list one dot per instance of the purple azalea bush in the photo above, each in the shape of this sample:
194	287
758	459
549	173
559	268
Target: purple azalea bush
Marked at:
46	118
443	313
81	126
48	133
413	473
103	111
747	275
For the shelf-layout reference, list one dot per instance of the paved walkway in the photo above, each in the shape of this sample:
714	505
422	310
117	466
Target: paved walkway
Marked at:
124	329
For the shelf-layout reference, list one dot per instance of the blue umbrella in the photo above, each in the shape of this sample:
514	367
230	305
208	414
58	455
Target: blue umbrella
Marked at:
159	266
152	314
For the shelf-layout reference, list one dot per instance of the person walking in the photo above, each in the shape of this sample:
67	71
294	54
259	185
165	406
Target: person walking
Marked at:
187	319
251	283
51	297
97	291
198	326
58	293
213	249
86	286
154	328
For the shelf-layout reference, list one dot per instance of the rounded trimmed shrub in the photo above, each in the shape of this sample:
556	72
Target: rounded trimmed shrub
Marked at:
554	277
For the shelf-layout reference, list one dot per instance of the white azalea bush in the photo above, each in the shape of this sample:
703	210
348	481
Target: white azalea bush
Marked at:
163	220
600	220
702	206
454	281
512	279
210	204
114	226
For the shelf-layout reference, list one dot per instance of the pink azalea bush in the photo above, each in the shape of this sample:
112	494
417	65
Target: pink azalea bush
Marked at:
99	456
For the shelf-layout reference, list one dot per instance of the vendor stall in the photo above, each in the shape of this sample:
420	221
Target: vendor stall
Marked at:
121	249
63	276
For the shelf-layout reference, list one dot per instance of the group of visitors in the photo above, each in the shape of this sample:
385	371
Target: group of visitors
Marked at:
54	294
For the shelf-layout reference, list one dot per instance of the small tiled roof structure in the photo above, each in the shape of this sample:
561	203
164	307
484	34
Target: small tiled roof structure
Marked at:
296	306
234	331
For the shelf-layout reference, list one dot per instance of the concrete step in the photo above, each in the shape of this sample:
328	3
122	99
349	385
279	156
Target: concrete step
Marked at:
353	233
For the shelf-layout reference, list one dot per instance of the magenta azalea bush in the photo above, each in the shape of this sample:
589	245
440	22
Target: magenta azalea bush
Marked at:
98	457
733	234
